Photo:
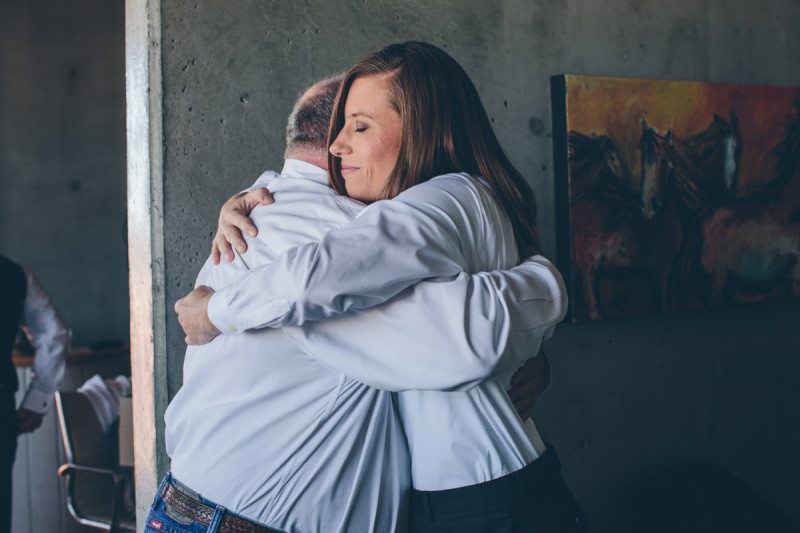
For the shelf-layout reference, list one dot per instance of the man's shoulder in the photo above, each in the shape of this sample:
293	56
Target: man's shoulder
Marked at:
304	192
264	179
304	211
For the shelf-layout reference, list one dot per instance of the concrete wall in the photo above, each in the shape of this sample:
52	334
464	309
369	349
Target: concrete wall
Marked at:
62	156
628	395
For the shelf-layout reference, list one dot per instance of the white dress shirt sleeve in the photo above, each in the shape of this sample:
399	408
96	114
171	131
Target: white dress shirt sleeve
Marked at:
449	335
390	246
50	340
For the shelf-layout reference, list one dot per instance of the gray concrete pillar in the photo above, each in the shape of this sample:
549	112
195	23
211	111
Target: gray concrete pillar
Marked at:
146	244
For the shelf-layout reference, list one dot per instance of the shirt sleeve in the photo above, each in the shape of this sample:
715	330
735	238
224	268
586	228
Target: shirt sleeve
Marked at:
443	335
50	340
390	246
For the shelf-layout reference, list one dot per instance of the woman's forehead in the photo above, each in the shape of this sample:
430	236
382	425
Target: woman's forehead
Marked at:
368	96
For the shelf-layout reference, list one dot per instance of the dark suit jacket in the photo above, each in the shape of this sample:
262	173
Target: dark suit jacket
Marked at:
12	297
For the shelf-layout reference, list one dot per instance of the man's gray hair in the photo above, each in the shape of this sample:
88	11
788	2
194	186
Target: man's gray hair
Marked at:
307	127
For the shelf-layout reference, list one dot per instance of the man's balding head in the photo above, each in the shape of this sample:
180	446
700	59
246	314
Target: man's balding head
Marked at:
307	127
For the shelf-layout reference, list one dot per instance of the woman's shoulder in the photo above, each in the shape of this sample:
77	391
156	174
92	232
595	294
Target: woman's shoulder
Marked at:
457	200
457	196
458	179
459	187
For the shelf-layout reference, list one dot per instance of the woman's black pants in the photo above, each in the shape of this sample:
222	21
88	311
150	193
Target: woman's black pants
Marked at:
534	499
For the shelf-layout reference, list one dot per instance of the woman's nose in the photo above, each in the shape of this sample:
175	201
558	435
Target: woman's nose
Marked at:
339	146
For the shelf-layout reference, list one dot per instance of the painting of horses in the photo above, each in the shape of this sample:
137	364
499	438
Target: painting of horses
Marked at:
675	194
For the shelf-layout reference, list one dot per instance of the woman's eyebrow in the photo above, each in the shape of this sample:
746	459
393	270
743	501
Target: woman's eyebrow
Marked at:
360	114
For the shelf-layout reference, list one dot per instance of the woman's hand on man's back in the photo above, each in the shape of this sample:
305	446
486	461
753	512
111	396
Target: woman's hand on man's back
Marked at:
234	222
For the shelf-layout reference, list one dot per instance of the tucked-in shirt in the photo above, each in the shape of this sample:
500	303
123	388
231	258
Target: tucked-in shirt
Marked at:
50	340
437	230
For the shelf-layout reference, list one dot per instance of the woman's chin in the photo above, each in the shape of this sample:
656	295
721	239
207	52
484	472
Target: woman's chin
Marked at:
358	193
363	198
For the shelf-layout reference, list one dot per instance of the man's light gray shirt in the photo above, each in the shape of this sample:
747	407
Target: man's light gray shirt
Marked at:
270	432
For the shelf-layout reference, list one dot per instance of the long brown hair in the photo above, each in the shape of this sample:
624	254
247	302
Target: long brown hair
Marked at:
445	129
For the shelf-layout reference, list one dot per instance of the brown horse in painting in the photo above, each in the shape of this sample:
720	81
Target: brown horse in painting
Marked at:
682	180
715	153
595	166
611	237
751	246
699	172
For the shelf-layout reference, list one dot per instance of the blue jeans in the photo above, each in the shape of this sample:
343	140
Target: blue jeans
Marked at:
165	519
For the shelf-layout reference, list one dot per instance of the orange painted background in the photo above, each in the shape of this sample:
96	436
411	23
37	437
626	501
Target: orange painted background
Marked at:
615	107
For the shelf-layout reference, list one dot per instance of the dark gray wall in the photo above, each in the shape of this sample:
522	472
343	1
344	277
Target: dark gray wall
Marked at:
628	396
62	156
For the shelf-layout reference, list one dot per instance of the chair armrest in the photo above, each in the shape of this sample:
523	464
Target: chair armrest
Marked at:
67	468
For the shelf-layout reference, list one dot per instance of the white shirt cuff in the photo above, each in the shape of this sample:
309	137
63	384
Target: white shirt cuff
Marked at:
37	401
232	314
220	315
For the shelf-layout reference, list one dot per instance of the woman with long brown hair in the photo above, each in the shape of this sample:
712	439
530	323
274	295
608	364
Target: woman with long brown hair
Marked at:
409	135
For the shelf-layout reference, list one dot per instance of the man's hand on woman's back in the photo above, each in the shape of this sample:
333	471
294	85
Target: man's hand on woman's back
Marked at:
528	383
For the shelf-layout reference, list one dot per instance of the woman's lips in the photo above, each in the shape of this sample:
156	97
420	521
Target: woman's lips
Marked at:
348	169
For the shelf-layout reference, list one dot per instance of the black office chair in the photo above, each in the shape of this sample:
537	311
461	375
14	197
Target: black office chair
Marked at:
94	488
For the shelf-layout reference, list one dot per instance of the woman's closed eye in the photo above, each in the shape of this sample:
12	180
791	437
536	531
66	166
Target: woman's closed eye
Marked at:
360	127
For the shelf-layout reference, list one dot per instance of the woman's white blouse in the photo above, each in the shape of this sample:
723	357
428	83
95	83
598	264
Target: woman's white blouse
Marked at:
440	229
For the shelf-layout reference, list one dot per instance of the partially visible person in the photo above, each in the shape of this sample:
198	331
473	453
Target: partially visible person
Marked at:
25	303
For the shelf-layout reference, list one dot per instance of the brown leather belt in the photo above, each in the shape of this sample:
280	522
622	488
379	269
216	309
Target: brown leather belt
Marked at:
190	507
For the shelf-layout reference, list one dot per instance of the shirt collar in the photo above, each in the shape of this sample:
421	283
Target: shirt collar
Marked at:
296	168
